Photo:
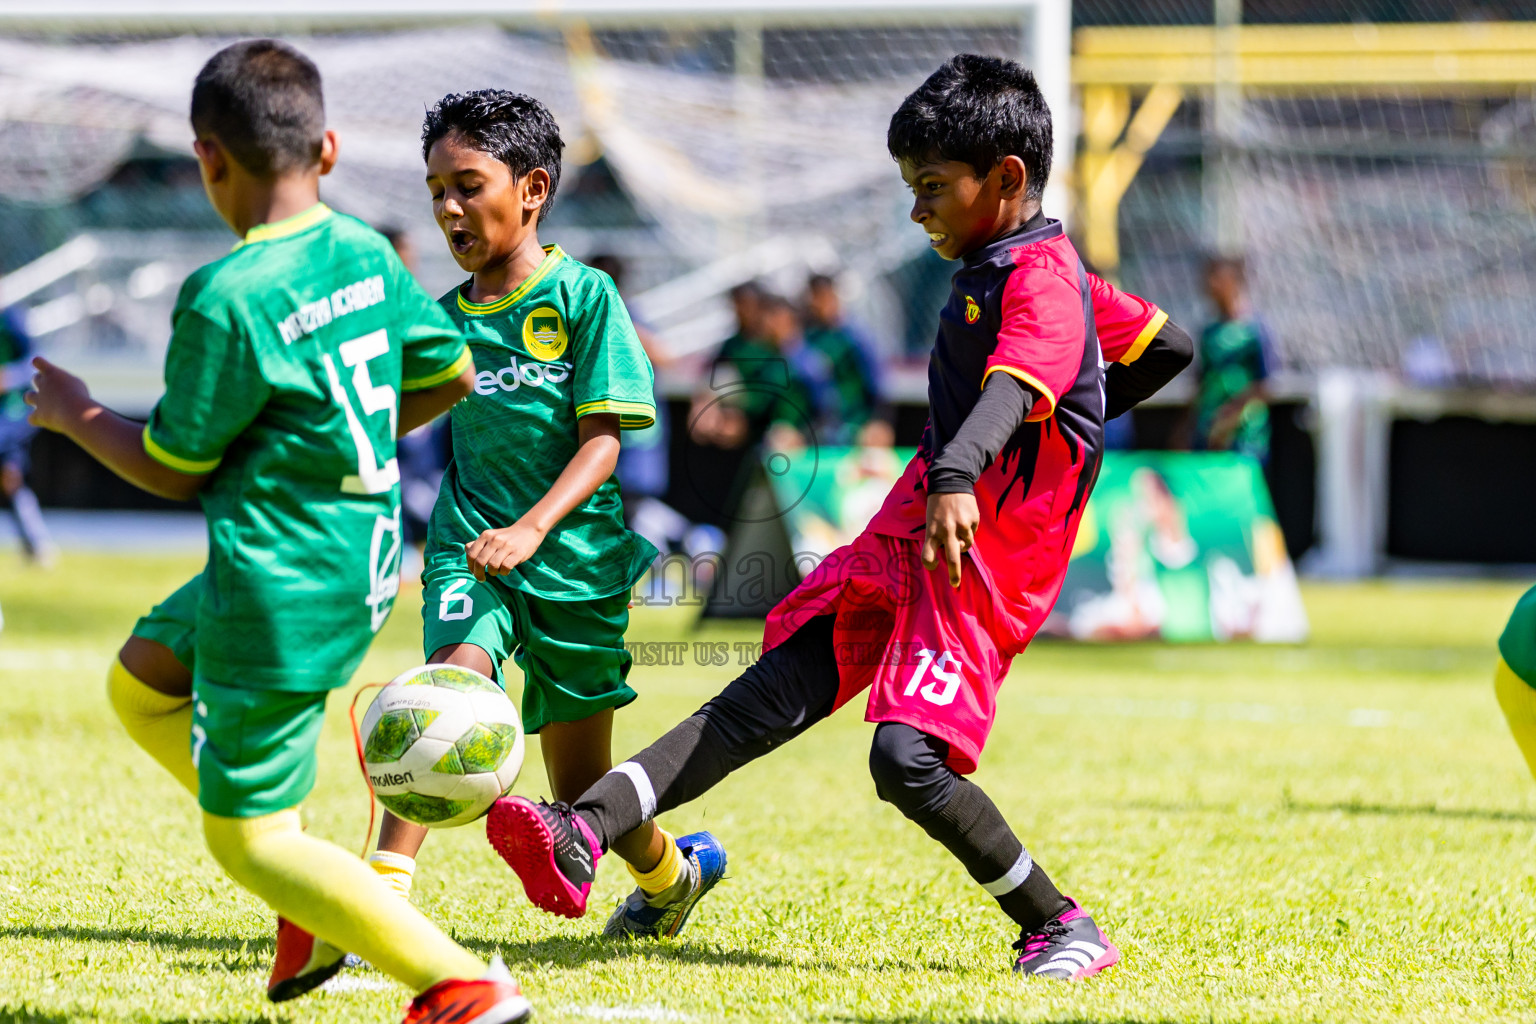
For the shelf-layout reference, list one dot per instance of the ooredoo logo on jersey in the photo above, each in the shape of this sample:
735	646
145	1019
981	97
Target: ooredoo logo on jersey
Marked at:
520	373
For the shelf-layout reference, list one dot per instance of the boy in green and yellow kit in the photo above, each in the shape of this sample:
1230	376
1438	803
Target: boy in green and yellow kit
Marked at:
527	555
294	363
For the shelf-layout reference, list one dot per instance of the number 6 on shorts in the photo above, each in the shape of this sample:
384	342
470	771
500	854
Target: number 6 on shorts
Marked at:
453	595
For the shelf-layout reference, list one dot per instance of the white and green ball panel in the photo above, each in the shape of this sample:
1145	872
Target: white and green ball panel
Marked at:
441	743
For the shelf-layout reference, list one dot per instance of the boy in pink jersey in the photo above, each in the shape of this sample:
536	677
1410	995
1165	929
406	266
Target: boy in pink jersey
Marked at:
960	567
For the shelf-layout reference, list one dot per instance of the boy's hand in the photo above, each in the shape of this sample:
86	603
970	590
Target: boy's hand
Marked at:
498	552
58	398
952	523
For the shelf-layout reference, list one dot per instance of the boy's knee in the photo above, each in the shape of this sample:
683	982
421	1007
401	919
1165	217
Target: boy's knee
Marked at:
909	770
135	702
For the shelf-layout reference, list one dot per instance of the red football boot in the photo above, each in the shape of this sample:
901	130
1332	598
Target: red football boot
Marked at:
302	963
493	998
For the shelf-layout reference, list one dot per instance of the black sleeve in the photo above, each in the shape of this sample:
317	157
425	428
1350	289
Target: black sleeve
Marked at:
1001	409
1125	386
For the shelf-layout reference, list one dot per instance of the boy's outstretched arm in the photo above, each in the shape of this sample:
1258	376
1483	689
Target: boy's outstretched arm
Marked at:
426	405
497	552
61	402
1126	385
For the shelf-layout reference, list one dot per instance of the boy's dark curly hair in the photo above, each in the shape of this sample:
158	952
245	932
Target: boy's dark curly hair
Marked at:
516	129
976	110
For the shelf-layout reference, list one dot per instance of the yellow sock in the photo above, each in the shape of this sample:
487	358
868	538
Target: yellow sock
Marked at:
666	872
334	896
396	869
158	722
1518	700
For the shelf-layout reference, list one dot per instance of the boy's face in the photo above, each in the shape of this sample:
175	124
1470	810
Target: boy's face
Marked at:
484	212
780	325
1225	288
960	211
822	303
748	311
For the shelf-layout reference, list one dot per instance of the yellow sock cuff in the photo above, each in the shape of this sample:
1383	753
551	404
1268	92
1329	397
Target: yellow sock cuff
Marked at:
666	872
396	869
130	695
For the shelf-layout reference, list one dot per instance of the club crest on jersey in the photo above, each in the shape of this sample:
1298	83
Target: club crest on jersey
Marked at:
972	311
544	333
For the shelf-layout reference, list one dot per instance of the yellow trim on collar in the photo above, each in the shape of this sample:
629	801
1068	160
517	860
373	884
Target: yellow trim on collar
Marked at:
287	226
442	376
632	415
1143	339
553	255
1035	413
191	467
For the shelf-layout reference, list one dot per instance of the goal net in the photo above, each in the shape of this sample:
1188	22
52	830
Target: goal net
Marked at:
1380	179
707	145
1390	232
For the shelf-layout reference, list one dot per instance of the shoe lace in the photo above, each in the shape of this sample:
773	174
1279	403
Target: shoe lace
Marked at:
1030	943
570	840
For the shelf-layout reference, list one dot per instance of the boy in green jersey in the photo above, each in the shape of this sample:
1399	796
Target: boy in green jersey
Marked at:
294	363
1231	407
527	553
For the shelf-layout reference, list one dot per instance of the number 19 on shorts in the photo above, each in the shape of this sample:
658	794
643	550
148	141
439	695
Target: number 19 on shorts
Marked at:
942	671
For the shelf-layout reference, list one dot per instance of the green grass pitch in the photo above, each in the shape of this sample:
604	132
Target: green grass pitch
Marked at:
1337	832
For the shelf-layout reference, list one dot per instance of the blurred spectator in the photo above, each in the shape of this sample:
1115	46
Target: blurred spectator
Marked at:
859	415
423	452
643	468
1231	408
731	412
806	403
16	437
745	380
404	247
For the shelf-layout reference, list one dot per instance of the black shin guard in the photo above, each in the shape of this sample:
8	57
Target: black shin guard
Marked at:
910	772
787	690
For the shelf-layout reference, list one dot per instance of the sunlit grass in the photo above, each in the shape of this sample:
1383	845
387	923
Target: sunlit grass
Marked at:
1336	832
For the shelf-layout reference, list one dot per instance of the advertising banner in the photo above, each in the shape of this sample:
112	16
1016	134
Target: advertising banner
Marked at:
1178	546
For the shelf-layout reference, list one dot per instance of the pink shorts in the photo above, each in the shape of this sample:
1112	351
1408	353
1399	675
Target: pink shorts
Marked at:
931	656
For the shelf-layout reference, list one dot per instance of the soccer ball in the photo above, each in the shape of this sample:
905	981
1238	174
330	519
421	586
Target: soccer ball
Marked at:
440	744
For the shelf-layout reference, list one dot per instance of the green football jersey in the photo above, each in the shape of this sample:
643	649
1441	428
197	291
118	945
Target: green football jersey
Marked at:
559	347
283	380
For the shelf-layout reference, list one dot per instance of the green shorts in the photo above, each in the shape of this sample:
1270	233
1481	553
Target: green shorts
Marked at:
173	622
254	750
571	652
1517	645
